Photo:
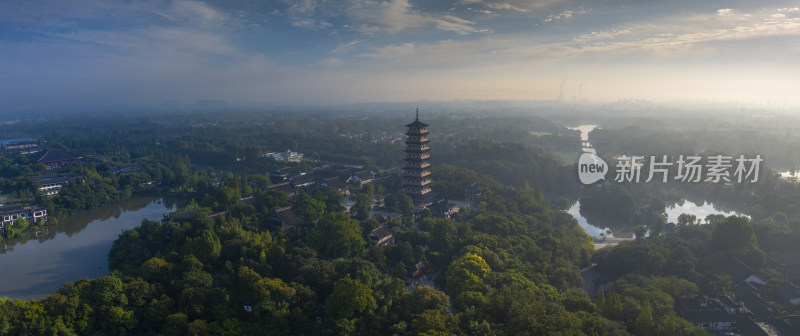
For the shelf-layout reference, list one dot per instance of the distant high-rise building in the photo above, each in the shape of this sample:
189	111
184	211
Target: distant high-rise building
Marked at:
417	167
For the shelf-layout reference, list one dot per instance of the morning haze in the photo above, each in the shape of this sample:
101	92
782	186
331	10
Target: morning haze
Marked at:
399	167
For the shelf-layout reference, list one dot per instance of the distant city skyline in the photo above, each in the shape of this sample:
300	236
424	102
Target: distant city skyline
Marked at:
92	53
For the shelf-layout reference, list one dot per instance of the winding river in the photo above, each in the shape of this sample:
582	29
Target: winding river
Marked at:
672	211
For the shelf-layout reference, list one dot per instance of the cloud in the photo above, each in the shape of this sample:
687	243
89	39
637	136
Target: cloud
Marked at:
724	11
505	6
461	26
670	34
197	10
345	47
331	62
373	17
565	15
396	15
517	6
601	35
385	16
660	38
392	51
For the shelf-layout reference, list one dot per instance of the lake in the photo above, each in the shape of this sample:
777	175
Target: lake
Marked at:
673	211
76	248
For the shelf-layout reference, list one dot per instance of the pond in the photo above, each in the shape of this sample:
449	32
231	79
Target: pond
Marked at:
76	248
673	211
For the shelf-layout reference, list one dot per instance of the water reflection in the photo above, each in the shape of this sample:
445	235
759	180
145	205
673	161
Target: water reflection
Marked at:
594	224
75	248
700	209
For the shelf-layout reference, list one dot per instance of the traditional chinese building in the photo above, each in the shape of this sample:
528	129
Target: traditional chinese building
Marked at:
417	167
56	158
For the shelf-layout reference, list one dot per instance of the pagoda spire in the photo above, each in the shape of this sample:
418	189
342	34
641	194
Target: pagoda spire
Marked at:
417	119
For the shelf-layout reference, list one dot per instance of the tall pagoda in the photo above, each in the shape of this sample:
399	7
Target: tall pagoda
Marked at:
417	167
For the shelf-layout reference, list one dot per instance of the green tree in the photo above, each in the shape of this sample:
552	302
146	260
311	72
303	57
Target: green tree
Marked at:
640	231
734	233
349	297
404	203
308	207
390	201
644	323
207	247
21	224
467	273
228	198
686	219
337	235
362	208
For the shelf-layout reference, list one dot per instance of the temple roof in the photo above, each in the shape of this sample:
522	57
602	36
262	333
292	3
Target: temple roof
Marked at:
54	155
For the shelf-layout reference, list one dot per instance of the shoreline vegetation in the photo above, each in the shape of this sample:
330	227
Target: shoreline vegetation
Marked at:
248	257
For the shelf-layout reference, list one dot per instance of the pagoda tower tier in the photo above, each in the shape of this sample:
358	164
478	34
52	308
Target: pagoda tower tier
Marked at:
417	167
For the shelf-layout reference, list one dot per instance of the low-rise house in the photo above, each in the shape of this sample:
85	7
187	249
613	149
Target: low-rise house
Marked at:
362	177
250	200
23	146
287	219
285	174
186	216
728	305
711	320
126	169
442	209
286	187
191	215
12	213
784	327
19	143
789	292
753	300
52	184
472	192
336	183
786	263
420	269
747	326
793	321
739	271
382	235
55	158
288	156
688	304
303	181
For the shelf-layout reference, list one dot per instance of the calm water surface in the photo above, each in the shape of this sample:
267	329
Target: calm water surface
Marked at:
673	211
74	249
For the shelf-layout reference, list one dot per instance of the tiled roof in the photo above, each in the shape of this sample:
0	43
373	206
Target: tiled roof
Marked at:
55	155
381	233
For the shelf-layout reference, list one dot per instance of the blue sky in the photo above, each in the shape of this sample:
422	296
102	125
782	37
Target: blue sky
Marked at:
71	53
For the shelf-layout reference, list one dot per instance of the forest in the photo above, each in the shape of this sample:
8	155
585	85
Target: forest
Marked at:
509	264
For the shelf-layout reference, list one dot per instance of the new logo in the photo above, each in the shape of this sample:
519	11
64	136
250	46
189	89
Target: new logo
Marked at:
591	168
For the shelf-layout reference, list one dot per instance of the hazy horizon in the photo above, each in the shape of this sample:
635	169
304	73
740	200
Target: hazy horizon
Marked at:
74	54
